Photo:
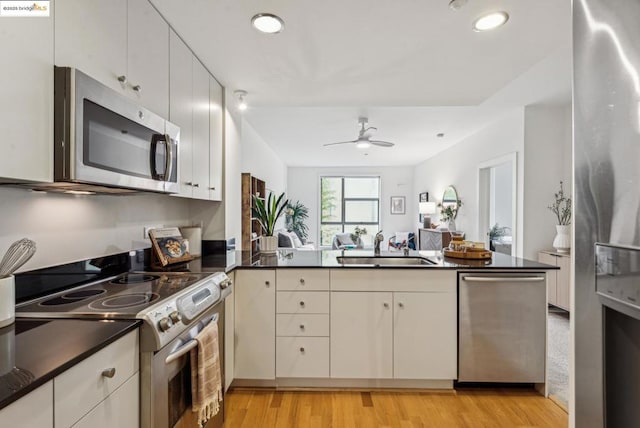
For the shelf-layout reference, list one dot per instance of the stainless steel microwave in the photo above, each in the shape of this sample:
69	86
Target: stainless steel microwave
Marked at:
106	143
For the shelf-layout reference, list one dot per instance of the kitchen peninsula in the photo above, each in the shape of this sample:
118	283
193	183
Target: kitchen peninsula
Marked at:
352	319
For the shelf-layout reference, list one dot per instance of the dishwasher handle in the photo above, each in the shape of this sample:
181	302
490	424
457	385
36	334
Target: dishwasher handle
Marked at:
503	278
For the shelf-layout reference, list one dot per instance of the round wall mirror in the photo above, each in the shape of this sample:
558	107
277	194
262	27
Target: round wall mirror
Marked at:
450	199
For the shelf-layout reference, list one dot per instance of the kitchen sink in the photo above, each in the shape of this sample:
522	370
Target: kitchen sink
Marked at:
384	261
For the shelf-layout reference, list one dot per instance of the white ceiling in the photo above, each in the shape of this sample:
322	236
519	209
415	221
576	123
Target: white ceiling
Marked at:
414	67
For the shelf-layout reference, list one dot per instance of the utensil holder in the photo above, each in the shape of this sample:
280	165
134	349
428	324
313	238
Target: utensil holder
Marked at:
7	301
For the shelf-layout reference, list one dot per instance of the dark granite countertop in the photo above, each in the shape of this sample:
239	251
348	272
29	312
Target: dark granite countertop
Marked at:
41	349
328	259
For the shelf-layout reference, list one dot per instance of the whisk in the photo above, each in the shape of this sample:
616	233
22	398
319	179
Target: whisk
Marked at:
17	255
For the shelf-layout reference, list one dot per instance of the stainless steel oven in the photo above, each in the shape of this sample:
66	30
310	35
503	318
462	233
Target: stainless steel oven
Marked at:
103	138
166	377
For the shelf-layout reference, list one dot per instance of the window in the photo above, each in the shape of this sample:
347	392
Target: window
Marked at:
347	202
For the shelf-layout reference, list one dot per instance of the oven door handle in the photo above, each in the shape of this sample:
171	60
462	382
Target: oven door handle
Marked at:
193	343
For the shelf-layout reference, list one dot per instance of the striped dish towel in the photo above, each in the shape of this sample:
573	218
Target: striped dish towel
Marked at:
206	380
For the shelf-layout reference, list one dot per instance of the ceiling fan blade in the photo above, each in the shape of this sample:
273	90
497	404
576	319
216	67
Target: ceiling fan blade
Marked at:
341	142
381	143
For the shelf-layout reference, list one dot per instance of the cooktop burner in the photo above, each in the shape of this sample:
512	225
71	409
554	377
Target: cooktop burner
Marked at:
134	278
75	296
124	301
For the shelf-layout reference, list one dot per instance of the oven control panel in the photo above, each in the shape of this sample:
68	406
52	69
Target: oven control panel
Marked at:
201	297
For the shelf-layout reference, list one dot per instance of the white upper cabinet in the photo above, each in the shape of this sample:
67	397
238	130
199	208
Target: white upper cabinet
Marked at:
148	57
91	35
121	43
216	161
180	107
26	104
200	152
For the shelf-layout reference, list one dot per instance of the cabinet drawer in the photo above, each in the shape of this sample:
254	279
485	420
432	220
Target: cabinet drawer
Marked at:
120	409
303	279
302	302
83	386
302	325
302	357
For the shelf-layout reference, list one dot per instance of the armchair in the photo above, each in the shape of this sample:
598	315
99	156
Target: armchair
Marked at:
397	240
343	241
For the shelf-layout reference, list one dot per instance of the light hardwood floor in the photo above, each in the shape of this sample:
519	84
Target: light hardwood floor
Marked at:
446	409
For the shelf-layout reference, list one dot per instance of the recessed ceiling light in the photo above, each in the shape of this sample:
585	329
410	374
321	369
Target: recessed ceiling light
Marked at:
242	103
490	21
440	135
267	23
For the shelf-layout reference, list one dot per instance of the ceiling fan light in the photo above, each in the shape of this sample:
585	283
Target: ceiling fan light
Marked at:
363	144
490	21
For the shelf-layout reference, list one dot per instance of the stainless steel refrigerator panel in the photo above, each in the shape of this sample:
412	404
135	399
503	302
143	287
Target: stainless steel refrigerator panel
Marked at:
606	116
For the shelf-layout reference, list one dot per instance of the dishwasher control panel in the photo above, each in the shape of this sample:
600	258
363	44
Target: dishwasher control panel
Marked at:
617	273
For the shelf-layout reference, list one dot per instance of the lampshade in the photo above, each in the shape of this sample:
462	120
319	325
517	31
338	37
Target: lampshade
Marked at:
427	208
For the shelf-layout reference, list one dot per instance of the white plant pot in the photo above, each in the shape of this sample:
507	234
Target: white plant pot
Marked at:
268	244
562	241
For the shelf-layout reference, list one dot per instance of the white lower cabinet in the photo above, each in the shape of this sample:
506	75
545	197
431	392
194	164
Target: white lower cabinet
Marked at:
101	391
425	336
361	335
255	324
90	382
302	357
34	410
119	409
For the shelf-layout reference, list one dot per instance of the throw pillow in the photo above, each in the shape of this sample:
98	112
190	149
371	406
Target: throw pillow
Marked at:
297	243
345	239
284	240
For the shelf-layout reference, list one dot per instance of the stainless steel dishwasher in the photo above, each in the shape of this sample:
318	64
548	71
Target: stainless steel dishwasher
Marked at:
502	321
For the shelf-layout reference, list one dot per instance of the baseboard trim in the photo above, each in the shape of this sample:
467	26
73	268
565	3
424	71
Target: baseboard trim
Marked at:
327	384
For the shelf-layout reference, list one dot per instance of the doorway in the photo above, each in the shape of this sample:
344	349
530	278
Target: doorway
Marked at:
497	203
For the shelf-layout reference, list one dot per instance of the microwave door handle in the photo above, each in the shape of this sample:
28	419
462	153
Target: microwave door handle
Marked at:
152	156
168	160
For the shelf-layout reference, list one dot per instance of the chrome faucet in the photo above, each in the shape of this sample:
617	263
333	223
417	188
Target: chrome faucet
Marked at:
376	243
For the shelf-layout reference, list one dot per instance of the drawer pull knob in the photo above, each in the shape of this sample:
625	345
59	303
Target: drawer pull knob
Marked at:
386	305
301	303
137	88
301	326
401	304
122	79
111	372
267	283
302	350
302	281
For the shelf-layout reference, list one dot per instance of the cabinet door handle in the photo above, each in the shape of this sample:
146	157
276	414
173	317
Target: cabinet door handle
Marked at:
301	326
122	79
302	281
302	349
196	185
401	304
267	283
137	88
386	305
212	188
188	183
110	372
302	303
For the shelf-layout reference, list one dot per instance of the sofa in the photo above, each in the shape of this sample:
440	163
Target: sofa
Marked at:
291	241
343	241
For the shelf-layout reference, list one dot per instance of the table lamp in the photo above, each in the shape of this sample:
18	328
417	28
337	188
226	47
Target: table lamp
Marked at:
427	208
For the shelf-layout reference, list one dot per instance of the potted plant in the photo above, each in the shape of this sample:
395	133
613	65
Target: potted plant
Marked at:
561	207
497	232
295	217
449	213
267	214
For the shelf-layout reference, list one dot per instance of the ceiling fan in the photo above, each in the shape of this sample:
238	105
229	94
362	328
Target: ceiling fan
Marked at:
364	140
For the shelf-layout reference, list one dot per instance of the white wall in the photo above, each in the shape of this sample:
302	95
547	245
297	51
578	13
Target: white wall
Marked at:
458	166
67	228
259	159
304	185
547	162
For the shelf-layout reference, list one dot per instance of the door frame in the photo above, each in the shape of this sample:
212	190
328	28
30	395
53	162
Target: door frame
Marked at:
483	197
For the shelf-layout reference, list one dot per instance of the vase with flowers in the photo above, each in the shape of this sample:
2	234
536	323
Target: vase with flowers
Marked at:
449	212
561	207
